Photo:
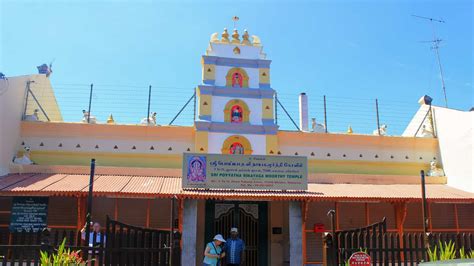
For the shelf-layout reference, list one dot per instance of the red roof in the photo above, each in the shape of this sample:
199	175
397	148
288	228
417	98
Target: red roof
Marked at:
159	186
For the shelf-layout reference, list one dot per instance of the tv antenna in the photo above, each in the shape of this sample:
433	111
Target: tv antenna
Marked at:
235	19
436	41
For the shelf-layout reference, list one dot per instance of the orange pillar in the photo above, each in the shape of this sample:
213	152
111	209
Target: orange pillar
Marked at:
304	212
400	216
81	211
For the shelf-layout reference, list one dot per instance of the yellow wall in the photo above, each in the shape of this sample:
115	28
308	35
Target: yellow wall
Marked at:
201	141
107	159
204	103
264	75
208	72
272	145
267	108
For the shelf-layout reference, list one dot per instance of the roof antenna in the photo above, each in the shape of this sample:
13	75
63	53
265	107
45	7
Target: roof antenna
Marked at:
435	47
235	19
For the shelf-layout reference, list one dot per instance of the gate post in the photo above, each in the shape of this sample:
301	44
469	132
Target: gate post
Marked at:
328	247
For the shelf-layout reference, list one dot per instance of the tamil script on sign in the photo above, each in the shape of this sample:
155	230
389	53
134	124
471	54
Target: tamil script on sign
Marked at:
244	172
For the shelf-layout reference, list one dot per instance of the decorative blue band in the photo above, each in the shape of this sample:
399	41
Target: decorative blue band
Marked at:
209	81
263	85
240	92
205	117
268	122
236	128
236	62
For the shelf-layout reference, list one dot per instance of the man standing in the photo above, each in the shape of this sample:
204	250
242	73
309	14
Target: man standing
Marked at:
235	249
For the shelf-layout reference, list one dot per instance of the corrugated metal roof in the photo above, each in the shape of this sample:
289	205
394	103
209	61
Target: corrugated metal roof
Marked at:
149	186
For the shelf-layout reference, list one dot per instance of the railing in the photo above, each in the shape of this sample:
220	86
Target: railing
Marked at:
122	245
133	104
392	248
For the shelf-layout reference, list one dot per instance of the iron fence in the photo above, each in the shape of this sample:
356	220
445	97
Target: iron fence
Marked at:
173	105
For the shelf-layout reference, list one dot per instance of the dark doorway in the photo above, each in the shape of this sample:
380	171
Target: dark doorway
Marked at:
250	217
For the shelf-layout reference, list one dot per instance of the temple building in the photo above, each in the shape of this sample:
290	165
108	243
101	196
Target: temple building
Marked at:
140	177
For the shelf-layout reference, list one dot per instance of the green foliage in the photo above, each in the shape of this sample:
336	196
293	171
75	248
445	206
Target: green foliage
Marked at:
447	251
464	255
62	257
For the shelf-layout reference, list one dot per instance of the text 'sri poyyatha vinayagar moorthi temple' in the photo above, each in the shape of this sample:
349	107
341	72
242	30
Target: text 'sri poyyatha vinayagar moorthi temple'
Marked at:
234	167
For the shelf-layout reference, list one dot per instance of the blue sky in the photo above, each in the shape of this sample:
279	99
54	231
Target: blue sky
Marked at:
351	51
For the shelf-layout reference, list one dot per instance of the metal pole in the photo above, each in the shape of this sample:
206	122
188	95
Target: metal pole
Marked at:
289	116
425	218
194	104
90	103
89	201
39	105
186	104
325	115
276	109
423	203
148	110
332	213
27	94
172	230
377	111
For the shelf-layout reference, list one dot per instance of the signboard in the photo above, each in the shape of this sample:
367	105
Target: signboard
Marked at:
359	258
29	213
245	172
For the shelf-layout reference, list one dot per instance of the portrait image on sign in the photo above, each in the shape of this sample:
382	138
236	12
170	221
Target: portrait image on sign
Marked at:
196	169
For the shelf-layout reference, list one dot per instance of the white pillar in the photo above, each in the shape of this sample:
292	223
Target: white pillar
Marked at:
296	243
188	254
303	104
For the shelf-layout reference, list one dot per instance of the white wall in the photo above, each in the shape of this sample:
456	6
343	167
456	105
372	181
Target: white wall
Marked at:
253	73
255	106
455	134
216	140
227	50
12	95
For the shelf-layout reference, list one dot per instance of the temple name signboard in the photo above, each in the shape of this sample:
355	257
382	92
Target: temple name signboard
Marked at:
29	214
261	172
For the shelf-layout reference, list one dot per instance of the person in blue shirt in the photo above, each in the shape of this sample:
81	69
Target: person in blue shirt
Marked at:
234	248
213	252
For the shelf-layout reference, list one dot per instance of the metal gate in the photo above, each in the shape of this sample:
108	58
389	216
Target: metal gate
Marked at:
250	218
123	244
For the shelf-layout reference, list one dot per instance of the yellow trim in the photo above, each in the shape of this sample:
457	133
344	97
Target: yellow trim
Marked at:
205	103
175	160
106	131
365	167
264	75
241	103
208	72
267	108
228	77
201	142
272	144
107	159
236	138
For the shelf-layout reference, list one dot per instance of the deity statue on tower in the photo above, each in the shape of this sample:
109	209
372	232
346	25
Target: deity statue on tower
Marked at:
236	80
236	114
236	148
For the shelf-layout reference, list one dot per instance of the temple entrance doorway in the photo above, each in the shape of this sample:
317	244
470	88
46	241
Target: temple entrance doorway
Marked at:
250	217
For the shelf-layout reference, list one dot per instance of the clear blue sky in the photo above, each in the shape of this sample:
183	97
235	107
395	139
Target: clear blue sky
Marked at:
351	49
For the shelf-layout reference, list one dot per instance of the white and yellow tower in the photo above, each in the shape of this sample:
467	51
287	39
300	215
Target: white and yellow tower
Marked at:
235	100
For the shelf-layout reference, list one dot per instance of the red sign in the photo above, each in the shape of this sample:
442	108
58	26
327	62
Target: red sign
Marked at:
319	228
359	258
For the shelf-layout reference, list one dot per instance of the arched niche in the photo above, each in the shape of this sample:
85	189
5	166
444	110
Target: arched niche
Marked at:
234	143
237	78
230	111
